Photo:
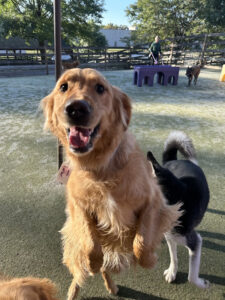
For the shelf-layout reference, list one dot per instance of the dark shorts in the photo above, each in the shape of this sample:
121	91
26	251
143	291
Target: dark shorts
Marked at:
152	60
156	55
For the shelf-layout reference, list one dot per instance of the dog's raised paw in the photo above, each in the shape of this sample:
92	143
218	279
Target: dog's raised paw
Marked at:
114	290
170	274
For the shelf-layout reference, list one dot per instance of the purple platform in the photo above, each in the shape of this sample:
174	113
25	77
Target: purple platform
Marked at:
165	74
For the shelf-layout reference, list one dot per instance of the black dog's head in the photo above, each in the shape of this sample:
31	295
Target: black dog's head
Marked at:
189	71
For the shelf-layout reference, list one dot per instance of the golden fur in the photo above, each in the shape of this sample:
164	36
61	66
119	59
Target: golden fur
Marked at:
27	288
116	213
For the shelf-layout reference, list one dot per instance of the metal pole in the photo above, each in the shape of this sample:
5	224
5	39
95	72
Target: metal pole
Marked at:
58	62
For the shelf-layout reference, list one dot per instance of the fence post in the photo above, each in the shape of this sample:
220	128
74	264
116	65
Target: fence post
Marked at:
58	62
171	53
203	48
78	54
130	57
105	58
46	61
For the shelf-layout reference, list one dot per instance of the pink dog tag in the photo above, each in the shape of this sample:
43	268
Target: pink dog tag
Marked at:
63	174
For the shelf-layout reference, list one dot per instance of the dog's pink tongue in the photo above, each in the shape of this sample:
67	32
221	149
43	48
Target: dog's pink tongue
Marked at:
79	137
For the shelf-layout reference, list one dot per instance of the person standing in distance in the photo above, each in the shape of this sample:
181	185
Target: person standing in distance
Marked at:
155	50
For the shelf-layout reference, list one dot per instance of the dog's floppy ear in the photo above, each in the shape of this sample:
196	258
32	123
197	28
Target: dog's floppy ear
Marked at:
47	105
124	107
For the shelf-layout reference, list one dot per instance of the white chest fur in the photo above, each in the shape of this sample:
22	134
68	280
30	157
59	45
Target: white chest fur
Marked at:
112	223
110	218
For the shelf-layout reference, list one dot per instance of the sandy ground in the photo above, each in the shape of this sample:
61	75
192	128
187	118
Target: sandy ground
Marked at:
32	204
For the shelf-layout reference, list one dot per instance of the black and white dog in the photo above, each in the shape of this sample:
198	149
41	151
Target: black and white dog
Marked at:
183	181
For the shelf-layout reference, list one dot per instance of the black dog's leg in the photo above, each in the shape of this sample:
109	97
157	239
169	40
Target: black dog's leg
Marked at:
194	245
189	80
171	272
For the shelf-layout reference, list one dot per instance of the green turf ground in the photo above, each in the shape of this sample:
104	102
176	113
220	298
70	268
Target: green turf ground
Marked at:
32	205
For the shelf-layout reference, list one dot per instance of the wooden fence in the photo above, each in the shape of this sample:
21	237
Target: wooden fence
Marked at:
179	51
103	57
209	48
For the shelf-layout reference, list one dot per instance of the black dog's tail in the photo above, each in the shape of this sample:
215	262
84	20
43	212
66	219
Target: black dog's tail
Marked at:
178	141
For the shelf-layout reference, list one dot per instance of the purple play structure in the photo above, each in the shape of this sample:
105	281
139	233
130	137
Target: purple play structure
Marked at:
165	74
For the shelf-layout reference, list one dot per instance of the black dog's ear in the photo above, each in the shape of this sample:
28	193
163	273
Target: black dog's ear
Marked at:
154	162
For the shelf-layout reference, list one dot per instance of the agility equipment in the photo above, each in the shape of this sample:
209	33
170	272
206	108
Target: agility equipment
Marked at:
222	75
165	74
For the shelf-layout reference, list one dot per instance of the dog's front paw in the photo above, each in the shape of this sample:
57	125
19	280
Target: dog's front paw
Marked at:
200	282
147	260
170	274
109	284
114	290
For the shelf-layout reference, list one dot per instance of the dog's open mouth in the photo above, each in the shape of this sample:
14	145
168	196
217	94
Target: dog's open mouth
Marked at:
81	139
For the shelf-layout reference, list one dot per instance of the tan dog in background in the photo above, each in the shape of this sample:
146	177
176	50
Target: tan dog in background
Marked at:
27	288
116	213
191	72
70	65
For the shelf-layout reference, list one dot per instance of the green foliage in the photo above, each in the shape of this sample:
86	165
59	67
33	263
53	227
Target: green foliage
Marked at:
97	40
133	40
127	41
114	26
212	12
172	18
27	19
34	19
166	18
94	37
78	19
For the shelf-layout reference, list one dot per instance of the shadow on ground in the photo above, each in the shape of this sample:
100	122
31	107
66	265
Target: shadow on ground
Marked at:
218	212
129	293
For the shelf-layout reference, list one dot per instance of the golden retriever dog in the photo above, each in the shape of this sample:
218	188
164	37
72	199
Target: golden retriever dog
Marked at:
116	213
27	288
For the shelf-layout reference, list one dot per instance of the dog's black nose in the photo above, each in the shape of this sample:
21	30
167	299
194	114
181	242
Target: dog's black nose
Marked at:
78	112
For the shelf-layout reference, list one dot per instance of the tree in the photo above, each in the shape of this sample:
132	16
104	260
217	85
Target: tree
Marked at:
79	17
212	12
34	19
95	37
114	26
166	18
27	19
133	40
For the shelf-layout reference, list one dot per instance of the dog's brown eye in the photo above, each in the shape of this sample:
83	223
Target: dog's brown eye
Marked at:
64	87
99	88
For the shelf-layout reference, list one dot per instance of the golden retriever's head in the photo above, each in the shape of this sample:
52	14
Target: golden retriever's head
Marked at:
86	113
